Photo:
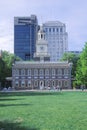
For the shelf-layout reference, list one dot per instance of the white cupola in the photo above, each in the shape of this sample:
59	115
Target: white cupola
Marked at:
41	45
41	34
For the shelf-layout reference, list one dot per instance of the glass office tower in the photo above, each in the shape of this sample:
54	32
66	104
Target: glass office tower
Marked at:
25	34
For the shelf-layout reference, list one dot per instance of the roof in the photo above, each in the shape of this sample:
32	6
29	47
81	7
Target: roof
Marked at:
53	23
34	64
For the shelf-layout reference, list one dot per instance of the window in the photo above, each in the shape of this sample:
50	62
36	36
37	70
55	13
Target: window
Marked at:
60	83
36	83
65	71
53	71
47	83
47	72
59	71
22	83
53	29
66	83
41	36
49	29
35	72
57	30
29	72
23	72
29	83
53	83
16	84
41	72
16	72
61	30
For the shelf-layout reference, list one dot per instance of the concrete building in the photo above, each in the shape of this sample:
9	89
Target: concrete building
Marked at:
57	38
25	34
38	75
42	73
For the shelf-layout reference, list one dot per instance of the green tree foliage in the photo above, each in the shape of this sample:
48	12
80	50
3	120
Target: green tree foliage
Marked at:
2	70
6	61
81	72
73	58
78	73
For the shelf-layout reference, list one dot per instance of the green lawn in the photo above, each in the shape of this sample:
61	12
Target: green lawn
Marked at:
43	111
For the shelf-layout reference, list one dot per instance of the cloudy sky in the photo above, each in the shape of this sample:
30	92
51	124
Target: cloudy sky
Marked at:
71	12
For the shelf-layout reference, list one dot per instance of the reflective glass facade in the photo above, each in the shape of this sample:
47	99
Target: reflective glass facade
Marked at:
25	33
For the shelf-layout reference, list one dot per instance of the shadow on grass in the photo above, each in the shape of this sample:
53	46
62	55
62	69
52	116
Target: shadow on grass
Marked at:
5	125
9	105
31	93
10	99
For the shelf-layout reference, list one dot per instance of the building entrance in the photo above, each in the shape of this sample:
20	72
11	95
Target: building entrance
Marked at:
41	84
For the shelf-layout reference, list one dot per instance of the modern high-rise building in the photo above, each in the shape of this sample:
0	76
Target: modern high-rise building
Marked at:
25	34
57	38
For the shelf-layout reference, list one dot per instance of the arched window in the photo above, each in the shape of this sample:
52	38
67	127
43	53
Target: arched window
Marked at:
29	72
53	72
53	83
59	71
47	83
22	83
46	71
23	72
66	72
41	36
36	83
60	83
41	72
35	72
16	83
29	83
66	84
16	72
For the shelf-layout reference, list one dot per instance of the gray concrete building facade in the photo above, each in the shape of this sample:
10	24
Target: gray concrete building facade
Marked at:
57	38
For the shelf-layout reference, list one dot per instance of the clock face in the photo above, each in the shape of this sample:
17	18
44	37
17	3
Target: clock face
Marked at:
41	48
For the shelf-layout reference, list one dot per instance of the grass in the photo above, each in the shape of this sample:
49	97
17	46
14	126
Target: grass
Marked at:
43	111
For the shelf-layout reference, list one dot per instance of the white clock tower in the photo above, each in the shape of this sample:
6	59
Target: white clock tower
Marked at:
41	47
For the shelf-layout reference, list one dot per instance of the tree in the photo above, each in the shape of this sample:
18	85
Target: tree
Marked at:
70	57
2	74
6	61
78	73
81	72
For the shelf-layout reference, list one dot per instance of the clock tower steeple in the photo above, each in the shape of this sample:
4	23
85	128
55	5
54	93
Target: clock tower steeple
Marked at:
41	47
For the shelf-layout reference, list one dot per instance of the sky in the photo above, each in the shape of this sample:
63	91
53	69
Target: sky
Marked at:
71	12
